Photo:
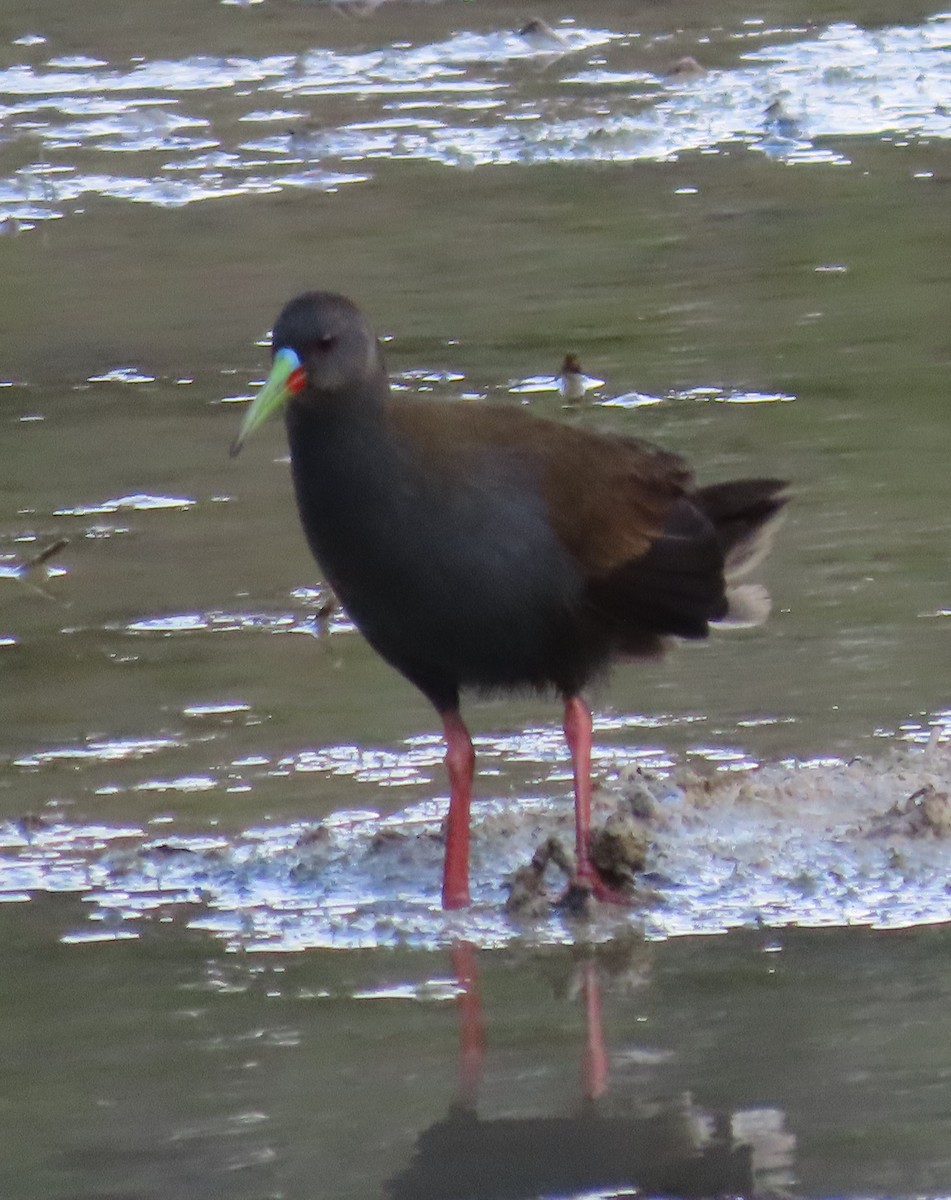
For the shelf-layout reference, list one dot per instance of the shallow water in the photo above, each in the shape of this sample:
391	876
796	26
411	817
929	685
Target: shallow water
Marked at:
170	1067
195	767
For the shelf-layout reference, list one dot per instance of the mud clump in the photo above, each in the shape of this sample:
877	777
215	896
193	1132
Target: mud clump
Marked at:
619	849
639	791
925	813
528	892
318	835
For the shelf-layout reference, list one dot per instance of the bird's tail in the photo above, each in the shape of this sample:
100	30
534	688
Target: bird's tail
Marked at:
745	514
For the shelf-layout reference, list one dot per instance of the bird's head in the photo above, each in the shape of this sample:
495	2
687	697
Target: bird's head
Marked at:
323	353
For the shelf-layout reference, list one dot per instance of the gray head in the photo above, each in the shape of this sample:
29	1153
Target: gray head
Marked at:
332	338
324	355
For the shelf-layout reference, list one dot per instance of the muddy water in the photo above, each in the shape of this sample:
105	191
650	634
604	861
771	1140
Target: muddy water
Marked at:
760	290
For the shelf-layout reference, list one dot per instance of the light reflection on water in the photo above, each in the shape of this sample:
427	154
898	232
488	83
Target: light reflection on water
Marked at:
99	751
139	503
778	99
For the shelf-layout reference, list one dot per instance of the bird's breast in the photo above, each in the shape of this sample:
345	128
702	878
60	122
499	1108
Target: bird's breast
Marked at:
454	566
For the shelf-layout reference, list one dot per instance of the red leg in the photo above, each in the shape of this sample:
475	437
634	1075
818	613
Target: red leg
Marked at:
578	736
460	763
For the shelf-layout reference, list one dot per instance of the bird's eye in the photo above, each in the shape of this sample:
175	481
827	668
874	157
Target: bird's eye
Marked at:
326	342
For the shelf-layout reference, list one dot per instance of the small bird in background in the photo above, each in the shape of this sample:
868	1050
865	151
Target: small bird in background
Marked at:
572	382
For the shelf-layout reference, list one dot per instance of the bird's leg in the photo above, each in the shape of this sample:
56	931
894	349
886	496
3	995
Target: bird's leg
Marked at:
578	737
460	764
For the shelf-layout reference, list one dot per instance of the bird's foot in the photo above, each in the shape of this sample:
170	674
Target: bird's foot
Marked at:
587	887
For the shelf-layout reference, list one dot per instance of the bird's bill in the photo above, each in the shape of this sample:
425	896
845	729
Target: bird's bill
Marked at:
286	378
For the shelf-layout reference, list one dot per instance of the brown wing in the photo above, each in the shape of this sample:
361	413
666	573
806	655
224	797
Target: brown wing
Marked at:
608	497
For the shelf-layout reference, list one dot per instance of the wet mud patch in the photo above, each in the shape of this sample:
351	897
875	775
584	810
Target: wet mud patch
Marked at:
817	843
825	842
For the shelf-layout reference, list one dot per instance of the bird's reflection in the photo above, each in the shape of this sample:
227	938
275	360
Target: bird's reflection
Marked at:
673	1148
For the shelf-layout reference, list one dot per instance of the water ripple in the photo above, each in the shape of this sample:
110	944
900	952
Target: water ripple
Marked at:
461	102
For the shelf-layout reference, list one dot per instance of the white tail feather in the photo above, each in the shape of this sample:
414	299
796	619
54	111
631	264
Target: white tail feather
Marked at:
749	606
750	551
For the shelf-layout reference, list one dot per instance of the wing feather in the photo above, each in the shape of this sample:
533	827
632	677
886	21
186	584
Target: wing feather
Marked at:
608	498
